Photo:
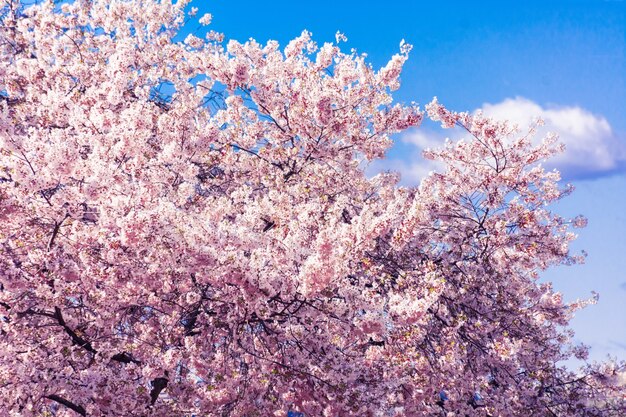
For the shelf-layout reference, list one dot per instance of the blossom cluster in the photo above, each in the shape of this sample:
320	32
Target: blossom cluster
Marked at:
186	229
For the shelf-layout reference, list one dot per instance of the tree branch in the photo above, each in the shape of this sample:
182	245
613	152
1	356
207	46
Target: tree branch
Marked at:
74	407
76	339
124	358
158	385
55	232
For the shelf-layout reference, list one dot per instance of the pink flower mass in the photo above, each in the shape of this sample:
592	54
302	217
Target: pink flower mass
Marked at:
186	229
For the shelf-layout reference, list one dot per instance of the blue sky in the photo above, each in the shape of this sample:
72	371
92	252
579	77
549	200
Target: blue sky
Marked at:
563	59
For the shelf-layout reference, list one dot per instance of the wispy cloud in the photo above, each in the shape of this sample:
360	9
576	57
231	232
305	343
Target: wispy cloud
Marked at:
618	344
592	149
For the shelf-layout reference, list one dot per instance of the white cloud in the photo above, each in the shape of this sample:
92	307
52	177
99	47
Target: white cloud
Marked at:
591	146
592	149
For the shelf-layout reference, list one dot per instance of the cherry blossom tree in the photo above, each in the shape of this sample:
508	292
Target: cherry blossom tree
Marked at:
187	229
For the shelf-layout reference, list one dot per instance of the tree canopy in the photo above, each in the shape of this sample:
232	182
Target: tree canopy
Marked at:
187	229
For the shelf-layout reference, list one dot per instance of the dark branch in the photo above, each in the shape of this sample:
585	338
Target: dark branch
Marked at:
269	224
373	342
76	339
55	232
124	358
74	407
158	385
189	322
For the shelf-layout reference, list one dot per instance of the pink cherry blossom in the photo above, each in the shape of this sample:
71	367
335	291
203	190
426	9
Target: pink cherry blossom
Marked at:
186	229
